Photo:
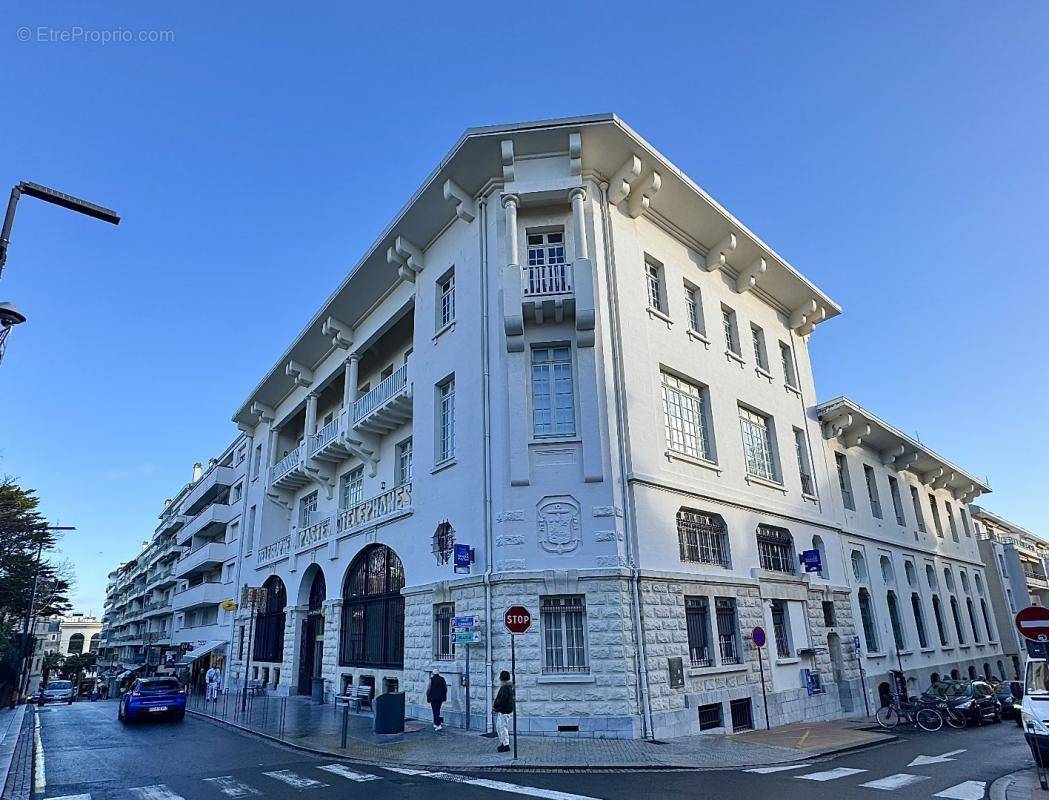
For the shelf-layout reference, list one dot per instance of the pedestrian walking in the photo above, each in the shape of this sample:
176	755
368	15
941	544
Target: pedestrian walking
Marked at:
436	694
213	678
503	706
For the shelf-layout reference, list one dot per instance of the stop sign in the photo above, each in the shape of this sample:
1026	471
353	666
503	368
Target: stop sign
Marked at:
1033	623
517	619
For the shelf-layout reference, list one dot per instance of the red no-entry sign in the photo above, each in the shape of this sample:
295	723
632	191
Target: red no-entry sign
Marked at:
517	619
1033	623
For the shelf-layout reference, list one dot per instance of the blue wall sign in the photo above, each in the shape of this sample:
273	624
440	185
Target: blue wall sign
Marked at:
812	561
462	558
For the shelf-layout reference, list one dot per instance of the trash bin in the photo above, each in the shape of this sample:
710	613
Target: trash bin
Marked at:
389	713
318	690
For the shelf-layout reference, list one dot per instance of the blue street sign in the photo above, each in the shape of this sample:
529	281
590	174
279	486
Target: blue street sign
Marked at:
462	558
758	636
856	643
812	561
464	622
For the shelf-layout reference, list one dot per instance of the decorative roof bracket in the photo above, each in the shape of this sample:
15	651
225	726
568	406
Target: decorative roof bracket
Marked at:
717	256
300	375
619	186
855	435
748	278
888	457
641	195
465	208
341	334
575	153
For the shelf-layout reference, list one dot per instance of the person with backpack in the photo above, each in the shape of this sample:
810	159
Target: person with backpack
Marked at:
436	695
503	706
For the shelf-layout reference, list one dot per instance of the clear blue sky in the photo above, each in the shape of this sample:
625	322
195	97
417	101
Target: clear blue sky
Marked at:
894	152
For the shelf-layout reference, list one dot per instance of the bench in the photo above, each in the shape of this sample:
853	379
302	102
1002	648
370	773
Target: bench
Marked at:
356	696
255	687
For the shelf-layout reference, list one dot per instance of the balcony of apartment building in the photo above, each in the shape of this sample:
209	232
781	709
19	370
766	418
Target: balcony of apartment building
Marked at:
161	577
1034	575
205	557
170	523
209	488
201	592
208	523
157	608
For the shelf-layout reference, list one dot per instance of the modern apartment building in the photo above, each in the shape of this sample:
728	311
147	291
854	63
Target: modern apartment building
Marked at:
1015	561
565	377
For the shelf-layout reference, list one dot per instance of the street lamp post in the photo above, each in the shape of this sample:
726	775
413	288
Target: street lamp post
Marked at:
9	315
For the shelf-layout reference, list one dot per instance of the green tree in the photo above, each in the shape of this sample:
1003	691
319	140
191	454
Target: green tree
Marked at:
76	665
52	662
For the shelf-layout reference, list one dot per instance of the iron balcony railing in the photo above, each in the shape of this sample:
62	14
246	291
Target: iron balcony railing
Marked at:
389	387
285	465
547	279
324	435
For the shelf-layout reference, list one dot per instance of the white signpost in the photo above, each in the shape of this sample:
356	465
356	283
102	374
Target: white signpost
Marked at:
465	633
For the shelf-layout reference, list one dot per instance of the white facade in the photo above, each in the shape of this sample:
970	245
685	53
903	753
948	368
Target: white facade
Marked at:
565	355
69	635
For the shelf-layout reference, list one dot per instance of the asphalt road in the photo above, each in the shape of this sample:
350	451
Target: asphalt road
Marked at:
88	755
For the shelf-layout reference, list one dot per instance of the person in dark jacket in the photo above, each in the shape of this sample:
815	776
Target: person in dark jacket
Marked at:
503	706
436	694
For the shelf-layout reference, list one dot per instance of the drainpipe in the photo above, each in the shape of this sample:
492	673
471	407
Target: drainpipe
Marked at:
641	663
482	222
250	440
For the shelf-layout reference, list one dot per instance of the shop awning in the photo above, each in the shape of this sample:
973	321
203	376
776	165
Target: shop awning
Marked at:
189	657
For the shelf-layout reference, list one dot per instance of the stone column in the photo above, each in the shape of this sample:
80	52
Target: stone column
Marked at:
332	632
352	378
510	203
311	415
577	196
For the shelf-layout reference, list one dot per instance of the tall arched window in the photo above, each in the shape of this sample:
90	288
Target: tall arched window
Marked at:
972	620
269	622
919	619
775	549
987	622
76	643
373	610
92	645
819	547
957	620
937	612
870	629
894	619
859	567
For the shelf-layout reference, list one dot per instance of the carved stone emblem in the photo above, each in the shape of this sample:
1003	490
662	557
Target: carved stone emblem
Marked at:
558	524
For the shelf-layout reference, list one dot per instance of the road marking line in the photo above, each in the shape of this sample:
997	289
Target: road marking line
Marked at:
72	797
780	768
294	779
231	787
803	739
156	792
970	790
894	782
346	772
921	761
484	783
39	773
830	775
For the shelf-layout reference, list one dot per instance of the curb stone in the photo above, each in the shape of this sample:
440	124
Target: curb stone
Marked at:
17	780
512	767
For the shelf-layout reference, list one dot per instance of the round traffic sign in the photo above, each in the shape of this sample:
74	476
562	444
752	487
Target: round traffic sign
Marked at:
758	636
517	619
1033	623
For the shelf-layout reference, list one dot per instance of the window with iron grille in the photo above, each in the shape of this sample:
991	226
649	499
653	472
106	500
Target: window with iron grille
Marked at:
351	490
307	509
786	358
697	621
757	336
844	482
898	634
728	322
654	280
685	418
443	646
728	630
916	501
563	620
897	502
446	299
775	549
758	447
702	537
870	629
553	392
710	717
445	420
694	304
804	466
781	628
742	716
872	490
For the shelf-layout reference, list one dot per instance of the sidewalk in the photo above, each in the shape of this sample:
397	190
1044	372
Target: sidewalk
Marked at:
1022	785
10	728
303	724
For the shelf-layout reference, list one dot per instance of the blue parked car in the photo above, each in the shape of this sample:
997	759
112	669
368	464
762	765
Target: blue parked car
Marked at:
153	697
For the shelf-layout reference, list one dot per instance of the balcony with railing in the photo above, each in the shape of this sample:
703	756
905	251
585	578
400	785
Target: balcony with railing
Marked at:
206	593
290	472
205	558
209	522
547	290
329	443
386	407
161	578
157	608
215	482
386	507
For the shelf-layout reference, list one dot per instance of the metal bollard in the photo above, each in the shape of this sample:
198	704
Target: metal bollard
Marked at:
345	724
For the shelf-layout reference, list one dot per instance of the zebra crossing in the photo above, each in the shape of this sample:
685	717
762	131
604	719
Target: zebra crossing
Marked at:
966	790
277	782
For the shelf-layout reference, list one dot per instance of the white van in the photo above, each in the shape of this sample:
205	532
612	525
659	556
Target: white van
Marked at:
1034	711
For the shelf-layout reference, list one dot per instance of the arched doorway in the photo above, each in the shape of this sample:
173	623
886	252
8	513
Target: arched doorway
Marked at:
311	645
884	693
955	675
76	644
269	623
372	633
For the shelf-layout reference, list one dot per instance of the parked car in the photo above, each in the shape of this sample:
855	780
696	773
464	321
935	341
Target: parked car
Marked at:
153	697
975	699
1010	694
57	692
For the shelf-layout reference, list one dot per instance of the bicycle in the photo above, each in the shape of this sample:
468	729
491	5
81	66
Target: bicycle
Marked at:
909	712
